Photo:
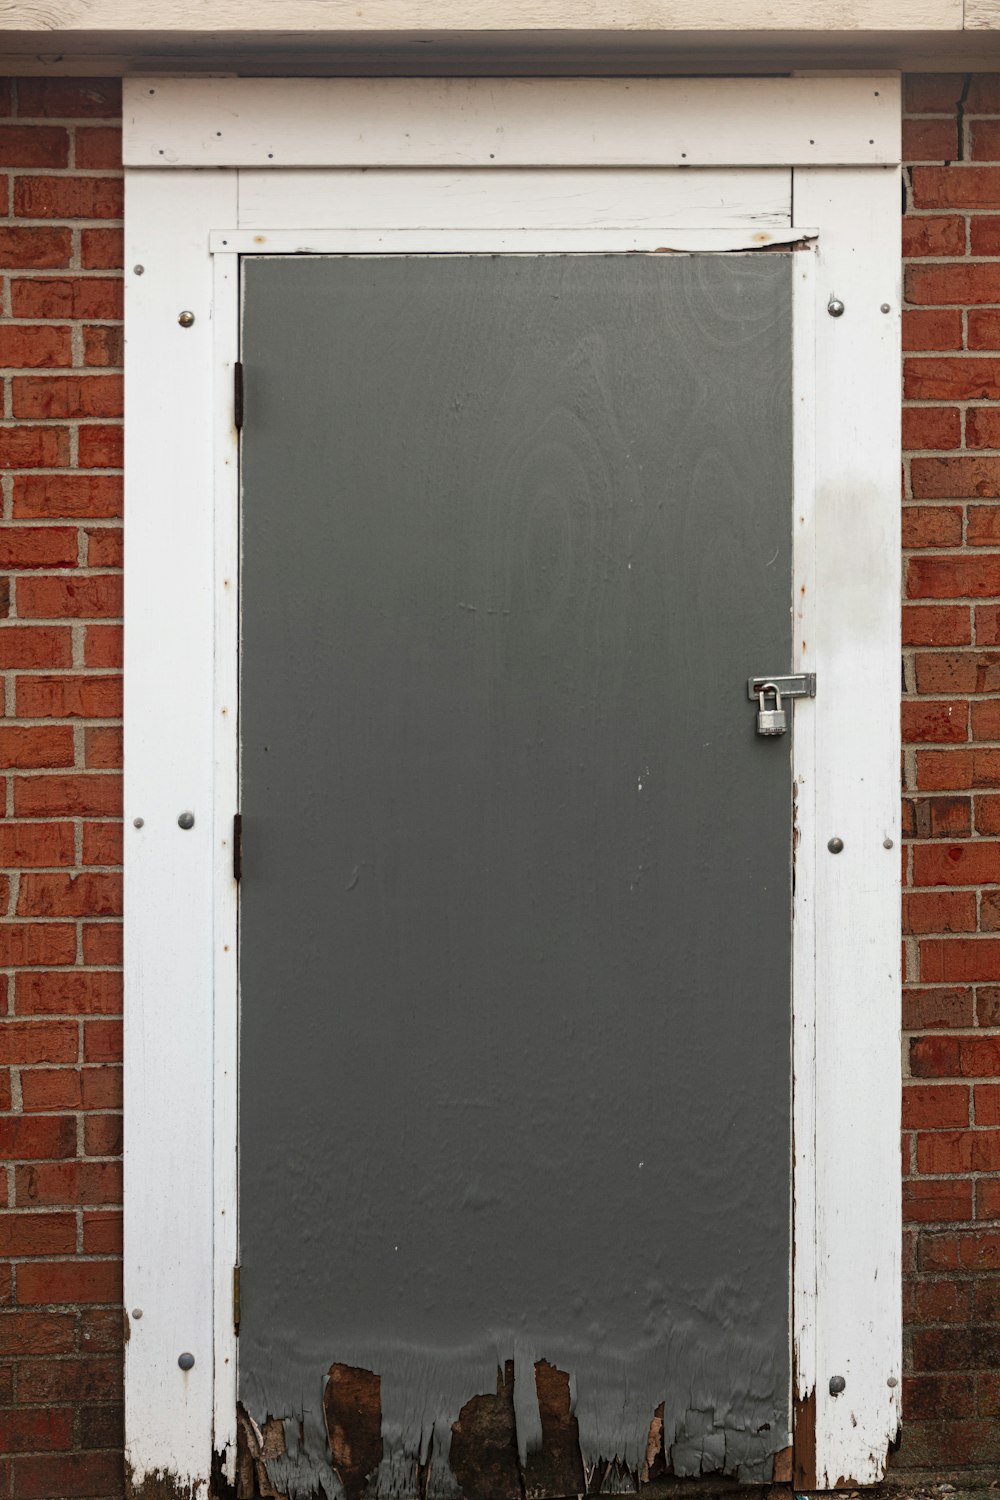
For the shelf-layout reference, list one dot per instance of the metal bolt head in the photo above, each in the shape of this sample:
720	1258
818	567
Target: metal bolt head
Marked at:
887	843
137	1312
892	1382
885	307
138	270
186	820
185	319
138	822
835	846
186	1361
837	1385
835	307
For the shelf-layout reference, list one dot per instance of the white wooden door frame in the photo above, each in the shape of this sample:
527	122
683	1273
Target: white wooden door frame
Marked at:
514	166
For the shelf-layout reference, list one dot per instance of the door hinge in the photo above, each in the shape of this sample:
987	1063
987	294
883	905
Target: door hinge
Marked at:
236	1300
238	396
237	846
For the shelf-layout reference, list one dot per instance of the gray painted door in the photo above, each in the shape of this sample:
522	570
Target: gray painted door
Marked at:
515	911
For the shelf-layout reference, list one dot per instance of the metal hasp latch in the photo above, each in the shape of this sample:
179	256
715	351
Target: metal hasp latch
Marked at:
774	720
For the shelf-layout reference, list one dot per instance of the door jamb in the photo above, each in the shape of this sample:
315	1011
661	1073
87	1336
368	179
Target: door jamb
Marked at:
181	737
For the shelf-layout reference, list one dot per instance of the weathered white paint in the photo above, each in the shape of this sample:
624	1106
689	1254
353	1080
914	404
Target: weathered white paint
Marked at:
181	748
171	876
332	16
489	198
510	122
855	652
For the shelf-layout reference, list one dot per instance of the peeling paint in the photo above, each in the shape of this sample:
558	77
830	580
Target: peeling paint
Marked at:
160	1484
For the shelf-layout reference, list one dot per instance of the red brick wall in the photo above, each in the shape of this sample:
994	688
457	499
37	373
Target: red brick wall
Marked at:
951	730
60	744
60	259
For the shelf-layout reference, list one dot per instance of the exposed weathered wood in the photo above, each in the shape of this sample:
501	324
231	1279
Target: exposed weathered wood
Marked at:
484	1444
557	1468
352	1407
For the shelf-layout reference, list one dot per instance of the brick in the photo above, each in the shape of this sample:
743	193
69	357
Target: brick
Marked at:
101	1426
933	625
100	447
944	960
33	447
986	720
102	249
932	525
41	248
969	1250
988	1005
986	1102
85	496
930	427
69	98
35	646
983	95
927	1396
957	378
947	478
987	617
64	697
102	644
98	146
34	146
932	93
942	1301
987	1202
930	140
102	1040
949	577
48	396
67	297
37	1234
87	894
982	430
35	346
959	1151
984	140
68	197
936	1009
30	943
956	1348
102	1135
68	796
38	546
984	325
931	911
103	748
98	596
935	1107
102	943
942	817
103	346
44	1089
69	1281
989	911
26	1137
36	845
101	1328
938	235
36	1333
26	1042
943	1445
43	1381
102	1233
957	672
68	1475
36	1431
931	329
942	1200
75	993
59	1183
960	284
45	746
935	722
960	186
102	844
987	813
983	525
976	863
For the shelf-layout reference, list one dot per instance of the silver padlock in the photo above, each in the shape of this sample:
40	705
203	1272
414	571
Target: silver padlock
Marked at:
771	720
